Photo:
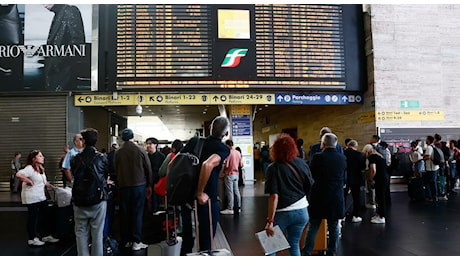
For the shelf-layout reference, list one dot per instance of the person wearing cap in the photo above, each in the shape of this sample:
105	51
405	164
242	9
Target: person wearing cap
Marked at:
156	159
134	175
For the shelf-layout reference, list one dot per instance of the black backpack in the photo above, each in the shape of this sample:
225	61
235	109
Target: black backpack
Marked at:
87	189
182	176
438	156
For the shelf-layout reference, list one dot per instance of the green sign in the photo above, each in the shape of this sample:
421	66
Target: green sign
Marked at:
410	104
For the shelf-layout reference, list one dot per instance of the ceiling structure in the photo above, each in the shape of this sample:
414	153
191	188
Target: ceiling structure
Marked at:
183	121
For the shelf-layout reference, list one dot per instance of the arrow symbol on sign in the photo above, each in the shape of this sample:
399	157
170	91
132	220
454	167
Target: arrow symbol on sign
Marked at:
344	99
215	98
152	99
280	98
80	99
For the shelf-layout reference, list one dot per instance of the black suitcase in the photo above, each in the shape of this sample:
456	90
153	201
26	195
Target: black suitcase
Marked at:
65	223
416	189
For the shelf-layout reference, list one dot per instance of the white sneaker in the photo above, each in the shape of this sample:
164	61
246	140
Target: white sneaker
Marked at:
129	244
356	219
50	239
138	246
35	242
378	220
370	206
227	212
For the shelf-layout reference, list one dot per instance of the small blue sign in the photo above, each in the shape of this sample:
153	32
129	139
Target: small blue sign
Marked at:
241	125
318	99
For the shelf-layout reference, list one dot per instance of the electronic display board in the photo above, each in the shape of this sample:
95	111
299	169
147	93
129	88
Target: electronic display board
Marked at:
261	46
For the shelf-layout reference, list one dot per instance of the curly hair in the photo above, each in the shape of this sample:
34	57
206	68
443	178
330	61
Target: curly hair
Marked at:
284	149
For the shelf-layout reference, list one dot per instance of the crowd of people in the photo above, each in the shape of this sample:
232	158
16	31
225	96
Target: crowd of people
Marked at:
132	170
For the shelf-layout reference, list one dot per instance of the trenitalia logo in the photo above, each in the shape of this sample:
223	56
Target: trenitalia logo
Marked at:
13	51
232	58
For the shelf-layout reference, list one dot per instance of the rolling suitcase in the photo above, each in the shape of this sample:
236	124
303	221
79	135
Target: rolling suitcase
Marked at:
212	251
173	243
415	188
320	240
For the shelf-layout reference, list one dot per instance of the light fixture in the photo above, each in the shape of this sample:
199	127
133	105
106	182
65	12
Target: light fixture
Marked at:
139	110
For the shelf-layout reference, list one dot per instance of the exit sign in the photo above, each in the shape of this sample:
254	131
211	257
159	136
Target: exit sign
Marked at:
410	104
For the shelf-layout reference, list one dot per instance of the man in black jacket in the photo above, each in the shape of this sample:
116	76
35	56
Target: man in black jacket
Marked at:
89	213
356	163
328	168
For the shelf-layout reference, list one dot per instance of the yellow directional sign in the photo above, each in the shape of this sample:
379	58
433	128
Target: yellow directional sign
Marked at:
173	99
409	115
366	117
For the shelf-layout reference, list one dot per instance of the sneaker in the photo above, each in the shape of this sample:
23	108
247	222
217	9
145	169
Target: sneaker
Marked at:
129	244
138	246
356	219
158	212
35	242
378	220
227	212
370	206
376	216
443	198
50	239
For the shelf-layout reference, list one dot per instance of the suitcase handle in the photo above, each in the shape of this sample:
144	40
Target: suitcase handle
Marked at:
197	228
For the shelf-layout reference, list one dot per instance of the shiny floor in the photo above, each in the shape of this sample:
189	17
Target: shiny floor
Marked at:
412	228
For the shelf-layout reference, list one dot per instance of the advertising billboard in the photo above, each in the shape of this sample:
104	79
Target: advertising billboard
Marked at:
47	47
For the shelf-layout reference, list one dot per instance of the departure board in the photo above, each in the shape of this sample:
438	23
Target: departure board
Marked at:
163	41
286	46
299	41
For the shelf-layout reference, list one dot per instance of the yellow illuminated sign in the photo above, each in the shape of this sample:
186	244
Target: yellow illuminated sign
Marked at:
233	24
409	115
173	99
366	117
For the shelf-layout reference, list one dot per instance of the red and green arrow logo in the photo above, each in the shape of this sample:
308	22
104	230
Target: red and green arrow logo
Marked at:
233	57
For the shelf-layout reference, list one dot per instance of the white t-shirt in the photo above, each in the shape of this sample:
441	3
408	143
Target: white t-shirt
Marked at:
429	165
36	192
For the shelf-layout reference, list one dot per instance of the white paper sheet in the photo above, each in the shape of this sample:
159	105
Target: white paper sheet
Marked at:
272	244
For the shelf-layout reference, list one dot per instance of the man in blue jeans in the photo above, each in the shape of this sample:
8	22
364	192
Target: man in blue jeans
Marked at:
134	174
328	169
431	173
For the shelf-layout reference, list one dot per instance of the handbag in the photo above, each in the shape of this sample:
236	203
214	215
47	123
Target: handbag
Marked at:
160	186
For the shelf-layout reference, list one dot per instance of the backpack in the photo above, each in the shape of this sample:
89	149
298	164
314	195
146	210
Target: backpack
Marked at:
87	189
438	156
182	176
383	152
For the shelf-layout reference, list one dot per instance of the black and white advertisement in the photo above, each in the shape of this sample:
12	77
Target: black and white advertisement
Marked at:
45	47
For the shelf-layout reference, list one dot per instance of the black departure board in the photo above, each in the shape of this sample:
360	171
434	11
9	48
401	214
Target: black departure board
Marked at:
299	41
290	46
163	41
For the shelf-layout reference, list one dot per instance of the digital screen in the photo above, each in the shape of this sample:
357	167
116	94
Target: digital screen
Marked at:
233	24
261	46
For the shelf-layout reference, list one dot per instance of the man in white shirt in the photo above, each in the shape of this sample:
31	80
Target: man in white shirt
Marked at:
429	177
78	147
